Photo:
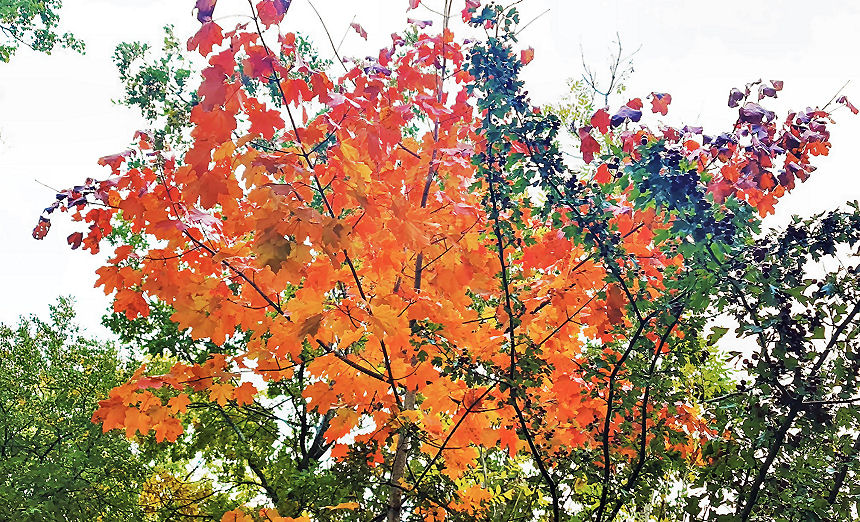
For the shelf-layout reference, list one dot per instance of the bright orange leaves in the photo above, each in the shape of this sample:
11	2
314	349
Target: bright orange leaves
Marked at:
341	225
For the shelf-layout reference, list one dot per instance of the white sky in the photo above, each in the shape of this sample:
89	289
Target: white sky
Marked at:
57	119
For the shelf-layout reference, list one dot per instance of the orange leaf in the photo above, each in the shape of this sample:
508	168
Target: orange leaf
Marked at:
221	393
527	55
615	302
245	393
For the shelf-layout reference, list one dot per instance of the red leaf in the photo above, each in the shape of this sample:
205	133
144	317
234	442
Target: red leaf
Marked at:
660	102
359	29
413	4
588	145
844	101
271	12
264	121
603	175
527	55
75	239
114	160
206	38
600	120
635	104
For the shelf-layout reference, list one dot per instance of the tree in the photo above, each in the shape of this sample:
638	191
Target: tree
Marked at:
33	23
55	464
486	331
794	419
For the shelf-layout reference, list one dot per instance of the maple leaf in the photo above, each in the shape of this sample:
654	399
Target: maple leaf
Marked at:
179	403
245	393
208	36
844	101
236	516
221	393
111	413
271	12
264	121
205	8
344	505
421	24
131	303
626	113
603	175
735	97
600	120
635	104
615	303
169	429
42	228
341	424
114	160
74	239
660	102
136	420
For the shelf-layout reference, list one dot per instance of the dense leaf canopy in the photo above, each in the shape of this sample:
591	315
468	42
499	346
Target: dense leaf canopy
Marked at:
397	274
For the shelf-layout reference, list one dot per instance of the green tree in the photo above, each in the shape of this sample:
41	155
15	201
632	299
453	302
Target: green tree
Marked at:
33	24
55	464
790	450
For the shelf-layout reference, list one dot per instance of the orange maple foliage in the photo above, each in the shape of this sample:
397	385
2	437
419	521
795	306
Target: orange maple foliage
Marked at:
363	255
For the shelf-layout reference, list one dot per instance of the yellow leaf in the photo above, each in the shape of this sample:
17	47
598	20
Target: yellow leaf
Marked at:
344	505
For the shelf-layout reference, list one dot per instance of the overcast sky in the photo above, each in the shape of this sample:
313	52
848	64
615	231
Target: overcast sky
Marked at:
57	119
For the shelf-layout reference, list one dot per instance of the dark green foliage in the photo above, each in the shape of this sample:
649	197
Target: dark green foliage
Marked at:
793	450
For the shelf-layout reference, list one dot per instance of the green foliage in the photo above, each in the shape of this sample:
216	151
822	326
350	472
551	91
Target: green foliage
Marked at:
32	23
158	86
55	464
790	450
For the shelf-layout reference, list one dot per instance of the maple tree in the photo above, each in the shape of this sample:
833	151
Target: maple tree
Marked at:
403	249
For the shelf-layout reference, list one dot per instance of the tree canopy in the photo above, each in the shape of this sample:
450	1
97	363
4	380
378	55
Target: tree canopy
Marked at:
396	297
55	464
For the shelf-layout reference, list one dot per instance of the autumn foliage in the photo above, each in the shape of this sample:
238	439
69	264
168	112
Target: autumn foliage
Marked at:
405	240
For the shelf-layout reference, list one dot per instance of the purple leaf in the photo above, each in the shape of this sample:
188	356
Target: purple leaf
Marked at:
755	114
281	6
377	69
687	129
625	113
766	92
735	97
75	239
420	23
204	10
